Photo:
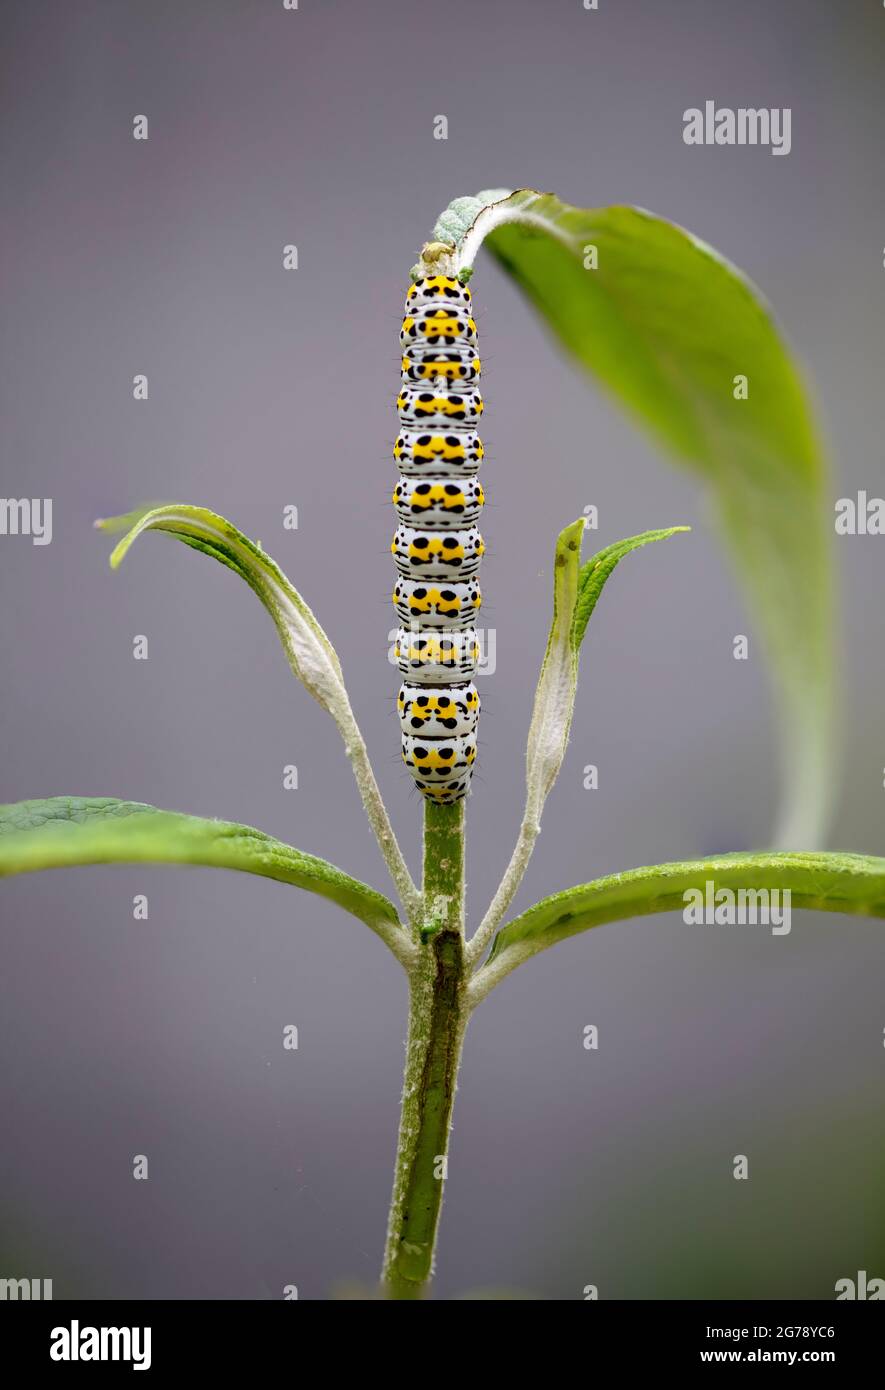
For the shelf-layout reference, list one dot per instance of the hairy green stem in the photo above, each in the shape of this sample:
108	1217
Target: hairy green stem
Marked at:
437	1019
443	885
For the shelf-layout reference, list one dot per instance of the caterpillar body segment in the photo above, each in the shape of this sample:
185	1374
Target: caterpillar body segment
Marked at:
455	365
437	554
438	290
438	712
435	603
439	759
421	453
437	546
439	501
444	792
435	657
432	327
439	409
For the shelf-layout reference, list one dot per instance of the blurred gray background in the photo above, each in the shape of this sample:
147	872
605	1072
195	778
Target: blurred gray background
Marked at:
267	388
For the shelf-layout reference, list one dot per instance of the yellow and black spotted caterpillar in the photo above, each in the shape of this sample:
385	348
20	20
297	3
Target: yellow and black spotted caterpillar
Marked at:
437	546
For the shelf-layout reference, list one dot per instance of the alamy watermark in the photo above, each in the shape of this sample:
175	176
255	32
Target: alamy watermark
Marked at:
76	1343
27	516
861	515
25	1290
729	907
863	1288
742	125
458	654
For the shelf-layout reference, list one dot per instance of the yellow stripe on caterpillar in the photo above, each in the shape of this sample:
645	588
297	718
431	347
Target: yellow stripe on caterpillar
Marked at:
437	554
437	711
437	328
432	657
441	759
460	365
443	793
438	289
453	605
434	409
453	454
439	502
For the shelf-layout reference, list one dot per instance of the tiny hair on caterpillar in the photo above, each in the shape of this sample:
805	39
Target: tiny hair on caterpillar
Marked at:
437	547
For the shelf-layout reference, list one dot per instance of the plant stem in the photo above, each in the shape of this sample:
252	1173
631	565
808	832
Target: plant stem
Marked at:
437	1019
377	814
443	885
507	889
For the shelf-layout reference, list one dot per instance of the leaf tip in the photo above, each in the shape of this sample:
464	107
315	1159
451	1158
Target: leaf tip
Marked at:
570	536
117	555
111	524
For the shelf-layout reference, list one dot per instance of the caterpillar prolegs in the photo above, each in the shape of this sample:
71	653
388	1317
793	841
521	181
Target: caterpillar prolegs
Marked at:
437	546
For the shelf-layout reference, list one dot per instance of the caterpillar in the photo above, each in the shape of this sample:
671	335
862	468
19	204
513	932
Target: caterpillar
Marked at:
437	547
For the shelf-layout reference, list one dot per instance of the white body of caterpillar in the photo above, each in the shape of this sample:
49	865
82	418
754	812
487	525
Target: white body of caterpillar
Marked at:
437	546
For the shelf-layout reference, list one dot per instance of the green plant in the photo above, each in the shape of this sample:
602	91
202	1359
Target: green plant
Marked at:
668	326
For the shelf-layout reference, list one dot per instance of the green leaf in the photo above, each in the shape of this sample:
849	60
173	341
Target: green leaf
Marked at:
576	590
555	693
848	883
63	831
311	655
666	324
593	575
